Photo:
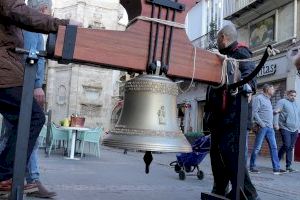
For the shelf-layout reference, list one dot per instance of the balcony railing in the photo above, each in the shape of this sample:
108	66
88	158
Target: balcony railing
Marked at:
232	6
207	41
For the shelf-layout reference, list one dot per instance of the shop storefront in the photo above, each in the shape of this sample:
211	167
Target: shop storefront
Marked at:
190	107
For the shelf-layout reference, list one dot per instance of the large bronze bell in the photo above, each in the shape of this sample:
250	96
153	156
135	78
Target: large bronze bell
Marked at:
148	120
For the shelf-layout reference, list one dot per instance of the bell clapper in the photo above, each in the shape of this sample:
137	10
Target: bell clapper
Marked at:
148	159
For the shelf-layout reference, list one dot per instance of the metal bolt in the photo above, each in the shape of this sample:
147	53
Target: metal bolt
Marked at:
31	62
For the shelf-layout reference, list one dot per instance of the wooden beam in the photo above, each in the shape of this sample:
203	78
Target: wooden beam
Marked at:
128	50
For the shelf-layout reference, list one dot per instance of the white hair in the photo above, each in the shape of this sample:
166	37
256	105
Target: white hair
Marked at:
230	31
37	4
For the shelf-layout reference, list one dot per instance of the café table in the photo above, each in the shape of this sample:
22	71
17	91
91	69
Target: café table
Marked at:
75	131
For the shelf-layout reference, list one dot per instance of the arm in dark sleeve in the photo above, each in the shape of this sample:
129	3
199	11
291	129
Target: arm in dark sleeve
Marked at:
19	14
246	67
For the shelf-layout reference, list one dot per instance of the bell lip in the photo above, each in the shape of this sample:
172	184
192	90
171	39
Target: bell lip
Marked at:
132	146
116	142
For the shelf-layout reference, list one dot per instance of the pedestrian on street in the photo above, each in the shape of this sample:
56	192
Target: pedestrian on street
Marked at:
263	118
287	121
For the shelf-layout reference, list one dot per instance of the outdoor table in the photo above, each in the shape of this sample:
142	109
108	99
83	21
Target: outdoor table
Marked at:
74	133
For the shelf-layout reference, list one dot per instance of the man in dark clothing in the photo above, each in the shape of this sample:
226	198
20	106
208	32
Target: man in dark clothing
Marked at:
223	108
14	15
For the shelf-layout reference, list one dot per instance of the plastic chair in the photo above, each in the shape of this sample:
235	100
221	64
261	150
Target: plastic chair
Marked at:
42	136
58	135
92	136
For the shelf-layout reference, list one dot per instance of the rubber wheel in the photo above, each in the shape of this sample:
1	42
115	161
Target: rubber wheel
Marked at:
188	169
177	168
200	175
181	175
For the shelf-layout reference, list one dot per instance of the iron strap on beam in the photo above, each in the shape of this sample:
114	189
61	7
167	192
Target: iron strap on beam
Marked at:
69	44
168	4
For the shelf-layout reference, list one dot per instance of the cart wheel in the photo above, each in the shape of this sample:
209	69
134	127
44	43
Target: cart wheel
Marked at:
177	168
181	175
188	169
200	175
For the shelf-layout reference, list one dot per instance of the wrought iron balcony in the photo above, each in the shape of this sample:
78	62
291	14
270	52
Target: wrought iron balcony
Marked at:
233	6
234	9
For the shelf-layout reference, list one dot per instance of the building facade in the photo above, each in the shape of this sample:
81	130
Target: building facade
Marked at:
274	22
88	91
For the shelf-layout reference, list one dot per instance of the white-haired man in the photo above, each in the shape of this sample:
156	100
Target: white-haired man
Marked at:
16	15
224	121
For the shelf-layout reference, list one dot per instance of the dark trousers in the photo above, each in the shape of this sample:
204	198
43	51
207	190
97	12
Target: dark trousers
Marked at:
10	101
288	140
224	161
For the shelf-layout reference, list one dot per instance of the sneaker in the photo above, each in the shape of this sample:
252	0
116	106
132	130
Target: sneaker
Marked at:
279	171
5	188
42	192
254	170
30	187
4	196
289	169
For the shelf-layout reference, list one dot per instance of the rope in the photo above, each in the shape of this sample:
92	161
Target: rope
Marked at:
194	69
160	21
235	62
224	76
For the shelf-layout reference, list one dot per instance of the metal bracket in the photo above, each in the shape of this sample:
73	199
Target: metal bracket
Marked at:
69	44
24	123
168	4
158	67
32	57
48	141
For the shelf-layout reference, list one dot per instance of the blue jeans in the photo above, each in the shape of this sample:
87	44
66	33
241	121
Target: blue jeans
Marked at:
10	101
270	136
32	170
288	140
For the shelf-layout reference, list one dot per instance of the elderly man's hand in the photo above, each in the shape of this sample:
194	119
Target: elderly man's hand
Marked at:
39	95
75	23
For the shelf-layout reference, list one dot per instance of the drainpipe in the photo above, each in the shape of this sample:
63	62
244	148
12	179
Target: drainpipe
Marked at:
295	18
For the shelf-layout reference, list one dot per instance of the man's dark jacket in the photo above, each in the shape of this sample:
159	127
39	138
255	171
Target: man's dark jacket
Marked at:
14	16
221	107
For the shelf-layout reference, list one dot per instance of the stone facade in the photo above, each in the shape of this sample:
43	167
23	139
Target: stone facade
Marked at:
88	91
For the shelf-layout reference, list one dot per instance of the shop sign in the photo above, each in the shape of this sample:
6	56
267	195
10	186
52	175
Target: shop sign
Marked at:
267	70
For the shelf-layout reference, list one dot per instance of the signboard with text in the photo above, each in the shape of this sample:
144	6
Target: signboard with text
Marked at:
277	66
267	70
